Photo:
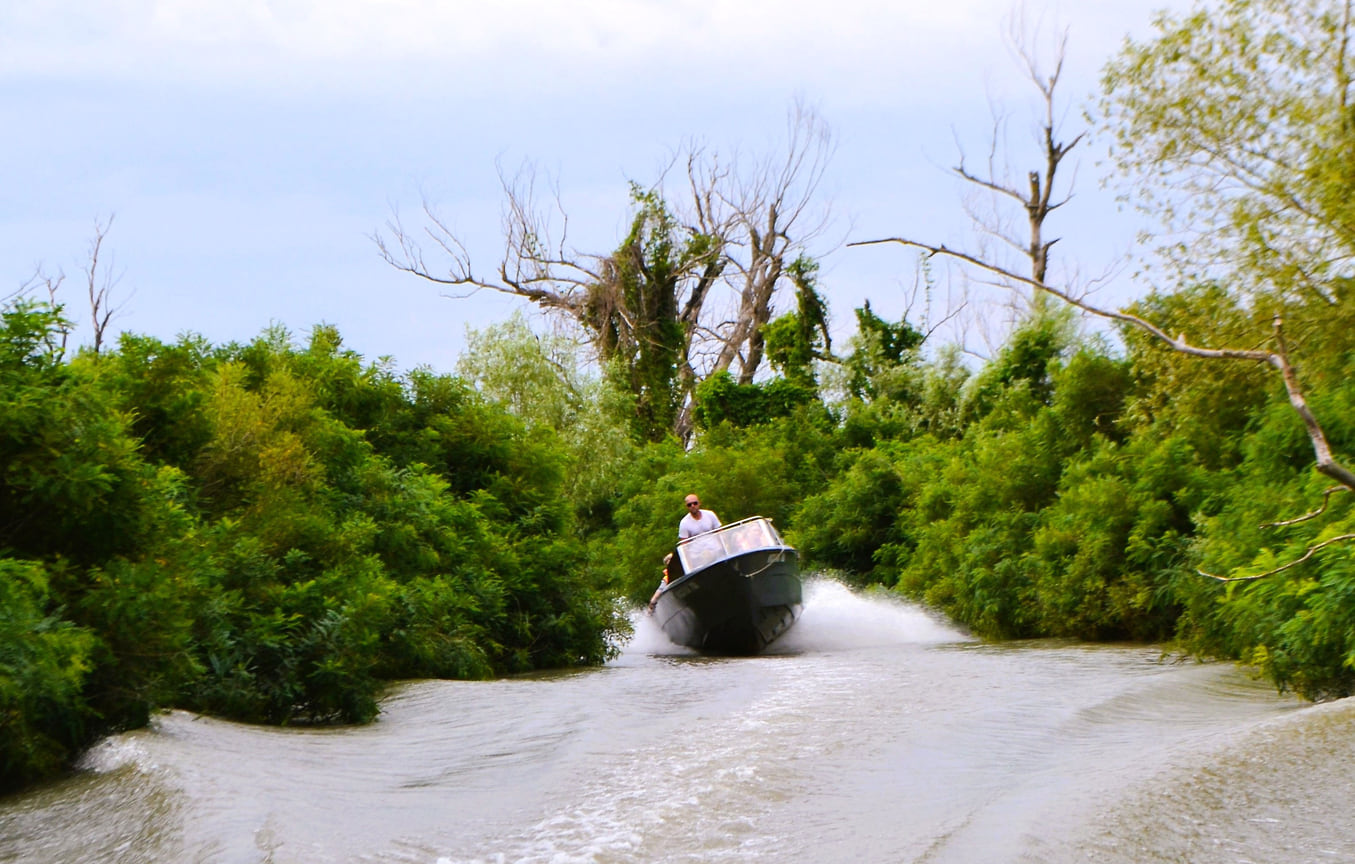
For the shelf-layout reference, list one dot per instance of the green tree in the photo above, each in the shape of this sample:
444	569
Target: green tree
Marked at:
1025	361
266	532
1234	124
44	661
720	399
542	380
879	350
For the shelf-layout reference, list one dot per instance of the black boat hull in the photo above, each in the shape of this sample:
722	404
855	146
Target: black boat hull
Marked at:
736	606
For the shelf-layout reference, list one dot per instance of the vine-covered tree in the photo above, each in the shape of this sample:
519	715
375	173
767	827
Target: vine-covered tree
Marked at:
689	289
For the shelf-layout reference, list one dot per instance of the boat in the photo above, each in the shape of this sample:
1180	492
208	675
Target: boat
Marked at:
733	590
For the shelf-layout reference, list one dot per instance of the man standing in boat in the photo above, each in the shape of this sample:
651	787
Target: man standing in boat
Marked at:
697	521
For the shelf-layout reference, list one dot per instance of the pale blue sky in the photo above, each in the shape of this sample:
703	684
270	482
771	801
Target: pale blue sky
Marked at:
248	149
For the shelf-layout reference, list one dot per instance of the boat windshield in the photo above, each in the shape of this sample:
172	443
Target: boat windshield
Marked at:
733	539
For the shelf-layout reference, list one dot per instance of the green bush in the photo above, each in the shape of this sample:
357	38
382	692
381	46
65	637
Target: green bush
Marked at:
44	661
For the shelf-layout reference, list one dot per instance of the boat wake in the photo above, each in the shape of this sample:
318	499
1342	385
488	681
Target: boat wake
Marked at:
835	618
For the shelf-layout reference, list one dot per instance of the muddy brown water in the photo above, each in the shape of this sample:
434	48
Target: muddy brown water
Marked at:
873	733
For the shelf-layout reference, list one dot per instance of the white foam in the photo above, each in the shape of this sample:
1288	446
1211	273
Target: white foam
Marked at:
836	618
649	639
112	753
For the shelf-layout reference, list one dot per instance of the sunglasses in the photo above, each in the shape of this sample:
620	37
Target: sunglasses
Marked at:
693	503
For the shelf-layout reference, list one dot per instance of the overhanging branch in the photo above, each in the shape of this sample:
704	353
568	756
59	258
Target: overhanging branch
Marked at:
1283	567
1325	463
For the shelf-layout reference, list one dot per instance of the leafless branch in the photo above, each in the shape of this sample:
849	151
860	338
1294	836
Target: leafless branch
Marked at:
1036	196
40	280
1278	358
922	288
533	266
56	339
100	284
1326	499
1283	567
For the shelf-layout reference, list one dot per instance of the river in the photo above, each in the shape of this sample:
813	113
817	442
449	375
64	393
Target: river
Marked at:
873	733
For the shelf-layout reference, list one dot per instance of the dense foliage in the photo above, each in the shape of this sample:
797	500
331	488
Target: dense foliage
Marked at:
265	533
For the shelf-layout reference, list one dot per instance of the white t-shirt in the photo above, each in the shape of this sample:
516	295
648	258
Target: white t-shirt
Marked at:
692	526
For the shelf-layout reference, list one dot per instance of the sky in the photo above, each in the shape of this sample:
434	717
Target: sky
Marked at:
247	152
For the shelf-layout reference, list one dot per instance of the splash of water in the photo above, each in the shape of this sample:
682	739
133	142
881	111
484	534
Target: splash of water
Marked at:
835	618
649	639
115	752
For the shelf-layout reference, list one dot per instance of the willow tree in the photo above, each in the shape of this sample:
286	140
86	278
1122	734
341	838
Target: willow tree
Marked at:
688	290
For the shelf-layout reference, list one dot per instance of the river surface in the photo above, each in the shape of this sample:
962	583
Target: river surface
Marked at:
873	734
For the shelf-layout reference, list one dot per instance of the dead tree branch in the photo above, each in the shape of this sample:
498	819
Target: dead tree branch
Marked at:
1326	499
1283	567
99	284
56	339
1036	197
1278	358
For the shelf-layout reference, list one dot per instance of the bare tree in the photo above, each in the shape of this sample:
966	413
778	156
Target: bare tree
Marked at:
100	283
696	278
1037	196
1000	192
767	209
56	338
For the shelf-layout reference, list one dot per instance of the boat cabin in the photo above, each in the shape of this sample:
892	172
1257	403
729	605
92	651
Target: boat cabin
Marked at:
728	541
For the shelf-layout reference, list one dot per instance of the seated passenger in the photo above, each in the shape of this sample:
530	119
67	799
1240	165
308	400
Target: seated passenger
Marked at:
662	583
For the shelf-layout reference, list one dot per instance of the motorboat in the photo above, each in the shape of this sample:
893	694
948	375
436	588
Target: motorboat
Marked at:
733	590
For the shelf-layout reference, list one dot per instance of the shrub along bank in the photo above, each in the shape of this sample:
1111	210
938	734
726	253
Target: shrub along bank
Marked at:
265	533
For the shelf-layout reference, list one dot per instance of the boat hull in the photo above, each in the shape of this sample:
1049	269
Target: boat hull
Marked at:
736	606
